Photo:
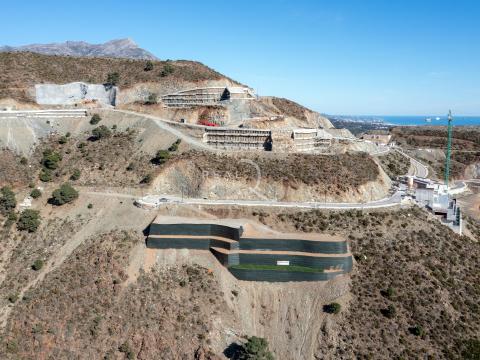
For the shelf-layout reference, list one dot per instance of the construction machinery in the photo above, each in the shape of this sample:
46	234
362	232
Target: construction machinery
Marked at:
449	148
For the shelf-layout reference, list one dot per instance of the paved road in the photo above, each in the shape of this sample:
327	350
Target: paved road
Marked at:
163	124
389	201
419	170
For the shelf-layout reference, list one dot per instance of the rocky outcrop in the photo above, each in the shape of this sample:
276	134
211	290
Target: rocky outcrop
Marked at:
120	48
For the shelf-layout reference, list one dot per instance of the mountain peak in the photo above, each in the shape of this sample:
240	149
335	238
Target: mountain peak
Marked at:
117	48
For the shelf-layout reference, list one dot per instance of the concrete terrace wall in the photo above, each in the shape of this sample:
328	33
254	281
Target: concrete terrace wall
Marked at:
324	247
73	93
281	276
258	251
196	230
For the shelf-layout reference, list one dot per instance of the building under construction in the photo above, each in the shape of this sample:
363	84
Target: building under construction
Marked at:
207	96
239	138
311	140
255	253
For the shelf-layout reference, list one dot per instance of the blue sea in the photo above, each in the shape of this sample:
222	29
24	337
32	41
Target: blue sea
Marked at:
422	120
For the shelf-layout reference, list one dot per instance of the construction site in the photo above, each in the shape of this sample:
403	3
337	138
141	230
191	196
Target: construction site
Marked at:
255	253
207	96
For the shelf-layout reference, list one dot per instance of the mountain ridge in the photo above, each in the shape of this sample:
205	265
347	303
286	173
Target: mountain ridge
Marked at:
118	48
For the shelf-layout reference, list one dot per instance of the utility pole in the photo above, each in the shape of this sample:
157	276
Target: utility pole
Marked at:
449	148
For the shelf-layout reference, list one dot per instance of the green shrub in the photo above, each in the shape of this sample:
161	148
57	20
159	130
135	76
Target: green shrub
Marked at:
333	308
131	166
51	159
148	66
35	193
174	146
11	218
471	349
147	179
167	70
63	195
95	119
67	135
125	348
161	157
101	132
11	346
7	200
75	175
23	161
29	220
256	348
37	264
62	140
389	312
113	78
389	293
45	175
416	330
13	298
152	99
89	206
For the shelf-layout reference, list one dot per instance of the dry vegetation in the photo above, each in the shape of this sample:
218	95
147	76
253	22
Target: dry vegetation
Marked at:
341	172
465	145
18	71
14	169
165	314
290	108
464	138
407	261
394	164
112	161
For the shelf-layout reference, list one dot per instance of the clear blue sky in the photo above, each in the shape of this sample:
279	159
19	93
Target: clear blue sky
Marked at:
338	57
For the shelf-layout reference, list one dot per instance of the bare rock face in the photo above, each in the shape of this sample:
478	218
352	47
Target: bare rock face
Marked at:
68	94
120	48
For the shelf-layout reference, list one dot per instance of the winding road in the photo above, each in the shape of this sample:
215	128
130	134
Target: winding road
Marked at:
419	170
389	201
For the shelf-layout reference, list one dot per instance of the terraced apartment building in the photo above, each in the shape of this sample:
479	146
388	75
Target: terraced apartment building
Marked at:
254	252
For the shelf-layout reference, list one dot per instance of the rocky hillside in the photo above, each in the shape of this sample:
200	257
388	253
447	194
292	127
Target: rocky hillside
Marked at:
295	177
19	72
120	48
414	286
465	156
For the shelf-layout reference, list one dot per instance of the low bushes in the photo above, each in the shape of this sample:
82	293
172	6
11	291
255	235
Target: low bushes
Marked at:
95	119
7	200
101	132
29	220
35	193
37	265
333	308
63	195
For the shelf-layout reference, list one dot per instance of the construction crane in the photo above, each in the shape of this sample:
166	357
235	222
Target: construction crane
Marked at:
449	148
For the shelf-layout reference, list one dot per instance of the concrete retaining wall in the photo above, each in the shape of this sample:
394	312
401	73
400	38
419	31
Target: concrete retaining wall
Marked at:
324	247
281	276
73	93
206	236
196	230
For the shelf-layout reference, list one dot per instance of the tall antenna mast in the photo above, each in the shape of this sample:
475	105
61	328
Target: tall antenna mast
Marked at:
449	148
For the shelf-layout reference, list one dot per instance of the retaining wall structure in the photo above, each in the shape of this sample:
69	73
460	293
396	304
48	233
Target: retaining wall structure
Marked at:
227	138
239	242
207	96
311	140
47	114
74	93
